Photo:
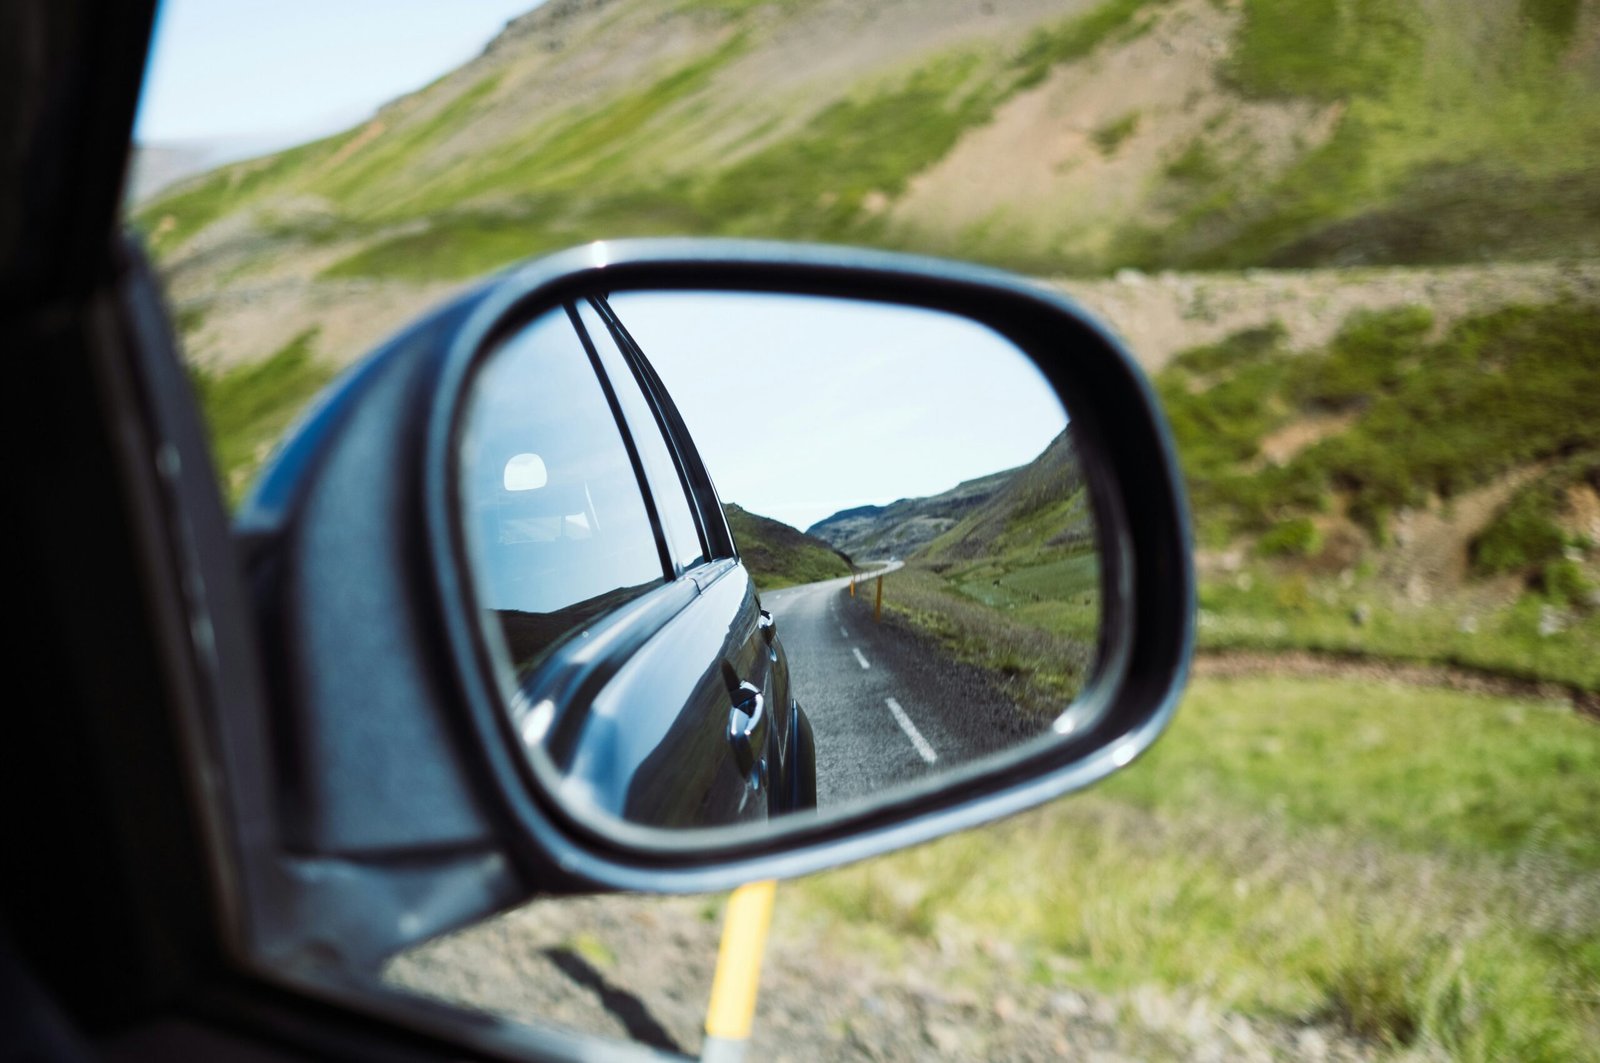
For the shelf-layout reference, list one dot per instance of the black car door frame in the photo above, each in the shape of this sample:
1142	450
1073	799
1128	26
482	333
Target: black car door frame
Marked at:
698	690
696	480
759	642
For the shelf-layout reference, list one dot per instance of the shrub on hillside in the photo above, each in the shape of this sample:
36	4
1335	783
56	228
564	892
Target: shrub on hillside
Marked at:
1297	537
1565	581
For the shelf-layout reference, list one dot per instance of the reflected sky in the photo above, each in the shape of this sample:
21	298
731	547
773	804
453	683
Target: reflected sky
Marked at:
803	406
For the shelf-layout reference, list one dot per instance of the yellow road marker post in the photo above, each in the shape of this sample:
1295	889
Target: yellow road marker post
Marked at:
738	978
852	586
877	607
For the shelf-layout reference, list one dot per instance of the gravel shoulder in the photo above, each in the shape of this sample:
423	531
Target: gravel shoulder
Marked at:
639	968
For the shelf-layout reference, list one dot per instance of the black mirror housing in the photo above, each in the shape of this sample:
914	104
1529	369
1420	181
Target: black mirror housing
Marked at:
392	742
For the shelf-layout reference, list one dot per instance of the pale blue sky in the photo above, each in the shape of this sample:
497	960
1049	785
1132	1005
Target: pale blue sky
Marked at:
276	72
804	406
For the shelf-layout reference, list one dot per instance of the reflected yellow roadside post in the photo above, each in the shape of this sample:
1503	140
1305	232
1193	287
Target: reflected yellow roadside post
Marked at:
877	606
738	977
852	584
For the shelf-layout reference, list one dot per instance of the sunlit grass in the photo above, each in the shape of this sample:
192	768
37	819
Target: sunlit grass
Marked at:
247	409
1300	849
1453	139
1040	654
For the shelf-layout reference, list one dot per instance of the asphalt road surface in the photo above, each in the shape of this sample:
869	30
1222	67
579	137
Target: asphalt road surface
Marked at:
886	707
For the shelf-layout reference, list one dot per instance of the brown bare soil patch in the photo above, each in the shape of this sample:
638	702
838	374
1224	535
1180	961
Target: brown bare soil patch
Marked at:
1280	446
1430	545
1159	315
1035	178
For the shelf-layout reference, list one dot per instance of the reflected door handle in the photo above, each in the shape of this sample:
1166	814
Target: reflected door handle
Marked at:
747	727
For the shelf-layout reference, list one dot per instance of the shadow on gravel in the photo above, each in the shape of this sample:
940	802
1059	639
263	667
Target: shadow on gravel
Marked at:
628	1009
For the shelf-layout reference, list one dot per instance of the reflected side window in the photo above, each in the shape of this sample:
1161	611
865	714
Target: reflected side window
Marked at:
558	527
713	521
660	467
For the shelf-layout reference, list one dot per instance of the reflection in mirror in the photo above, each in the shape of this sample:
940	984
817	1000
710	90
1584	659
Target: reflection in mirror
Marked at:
899	577
525	472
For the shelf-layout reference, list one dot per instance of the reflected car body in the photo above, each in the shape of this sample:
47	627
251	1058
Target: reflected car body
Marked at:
637	657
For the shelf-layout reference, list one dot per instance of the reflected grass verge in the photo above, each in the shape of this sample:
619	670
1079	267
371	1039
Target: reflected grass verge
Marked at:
1039	656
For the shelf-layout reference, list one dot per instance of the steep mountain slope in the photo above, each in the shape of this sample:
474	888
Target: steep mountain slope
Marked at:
1077	136
1035	514
154	166
904	526
1014	585
1039	506
778	555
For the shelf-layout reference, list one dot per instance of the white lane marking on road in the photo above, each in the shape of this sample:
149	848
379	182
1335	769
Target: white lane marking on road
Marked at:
860	658
900	717
843	632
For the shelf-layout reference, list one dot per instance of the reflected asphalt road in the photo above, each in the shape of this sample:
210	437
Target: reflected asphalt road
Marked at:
885	709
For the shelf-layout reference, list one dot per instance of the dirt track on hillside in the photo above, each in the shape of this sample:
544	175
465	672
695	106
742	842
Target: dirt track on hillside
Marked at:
1230	664
1160	314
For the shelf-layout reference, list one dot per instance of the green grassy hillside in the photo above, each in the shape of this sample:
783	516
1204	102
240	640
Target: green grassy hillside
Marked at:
778	555
1040	509
1411	866
1014	585
1328	131
1428	418
1436	505
906	525
1416	867
247	409
1458	137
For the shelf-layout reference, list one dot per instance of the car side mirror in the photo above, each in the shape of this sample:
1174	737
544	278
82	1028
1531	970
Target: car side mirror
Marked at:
543	637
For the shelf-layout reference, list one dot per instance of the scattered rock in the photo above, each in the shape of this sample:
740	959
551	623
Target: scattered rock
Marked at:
945	1039
963	998
1068	1004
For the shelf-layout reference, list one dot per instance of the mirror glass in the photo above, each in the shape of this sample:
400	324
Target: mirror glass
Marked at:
743	556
